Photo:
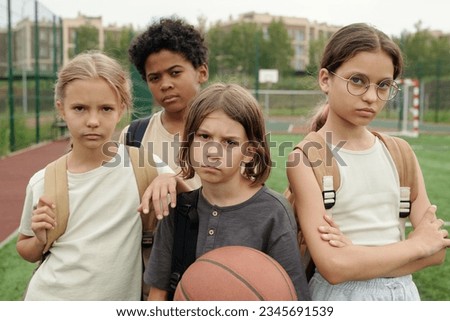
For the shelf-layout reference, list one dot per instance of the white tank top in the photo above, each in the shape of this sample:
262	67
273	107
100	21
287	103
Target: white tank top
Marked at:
367	202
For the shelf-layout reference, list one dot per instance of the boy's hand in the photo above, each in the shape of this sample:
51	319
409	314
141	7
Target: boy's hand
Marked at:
161	192
43	218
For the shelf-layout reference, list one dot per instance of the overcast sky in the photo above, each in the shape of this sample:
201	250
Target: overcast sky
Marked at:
392	17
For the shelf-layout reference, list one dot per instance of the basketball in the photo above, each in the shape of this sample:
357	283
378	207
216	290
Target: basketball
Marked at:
235	273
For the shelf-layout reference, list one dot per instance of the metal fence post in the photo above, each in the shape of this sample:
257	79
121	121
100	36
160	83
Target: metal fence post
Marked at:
36	69
12	136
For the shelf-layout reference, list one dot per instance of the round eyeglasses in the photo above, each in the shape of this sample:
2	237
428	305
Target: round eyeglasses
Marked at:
358	85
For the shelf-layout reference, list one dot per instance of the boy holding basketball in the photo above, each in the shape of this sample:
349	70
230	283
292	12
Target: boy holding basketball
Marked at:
225	145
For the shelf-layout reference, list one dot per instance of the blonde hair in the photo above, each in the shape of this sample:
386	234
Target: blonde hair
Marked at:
238	104
91	65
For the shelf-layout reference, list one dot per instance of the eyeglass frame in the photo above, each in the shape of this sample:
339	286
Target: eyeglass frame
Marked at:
394	83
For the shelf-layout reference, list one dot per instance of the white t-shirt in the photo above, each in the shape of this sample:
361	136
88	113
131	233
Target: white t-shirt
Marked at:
367	202
99	255
165	145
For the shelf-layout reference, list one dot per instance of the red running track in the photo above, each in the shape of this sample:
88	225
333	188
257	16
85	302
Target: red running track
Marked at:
15	172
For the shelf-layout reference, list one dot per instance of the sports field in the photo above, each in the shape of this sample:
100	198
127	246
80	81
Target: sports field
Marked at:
433	152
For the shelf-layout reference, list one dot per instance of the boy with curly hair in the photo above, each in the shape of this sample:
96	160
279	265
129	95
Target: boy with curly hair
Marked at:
172	58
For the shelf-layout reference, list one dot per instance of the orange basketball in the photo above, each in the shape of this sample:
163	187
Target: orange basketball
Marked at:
235	273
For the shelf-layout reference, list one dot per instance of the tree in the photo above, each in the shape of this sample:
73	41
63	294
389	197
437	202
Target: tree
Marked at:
117	43
244	47
86	38
218	59
316	48
426	55
276	48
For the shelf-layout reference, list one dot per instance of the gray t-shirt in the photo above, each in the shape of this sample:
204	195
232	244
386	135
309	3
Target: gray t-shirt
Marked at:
264	222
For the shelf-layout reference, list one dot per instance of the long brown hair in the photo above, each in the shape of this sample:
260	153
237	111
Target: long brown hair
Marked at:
344	45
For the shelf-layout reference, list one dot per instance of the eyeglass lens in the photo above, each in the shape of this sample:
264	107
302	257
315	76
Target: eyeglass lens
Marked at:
359	84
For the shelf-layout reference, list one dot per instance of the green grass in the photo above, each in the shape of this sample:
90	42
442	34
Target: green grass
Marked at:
433	153
14	273
25	131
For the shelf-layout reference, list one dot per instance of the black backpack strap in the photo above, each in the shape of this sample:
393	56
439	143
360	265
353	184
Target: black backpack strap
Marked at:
185	236
136	132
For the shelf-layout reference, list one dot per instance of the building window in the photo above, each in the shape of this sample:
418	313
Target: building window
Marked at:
299	51
299	35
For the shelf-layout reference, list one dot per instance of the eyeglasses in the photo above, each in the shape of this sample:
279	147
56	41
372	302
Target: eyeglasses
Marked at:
358	85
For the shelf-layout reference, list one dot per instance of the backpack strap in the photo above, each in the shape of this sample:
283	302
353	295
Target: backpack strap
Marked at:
324	166
405	162
185	236
326	171
144	172
136	132
56	188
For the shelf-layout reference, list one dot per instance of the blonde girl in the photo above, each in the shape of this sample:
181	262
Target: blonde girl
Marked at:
98	256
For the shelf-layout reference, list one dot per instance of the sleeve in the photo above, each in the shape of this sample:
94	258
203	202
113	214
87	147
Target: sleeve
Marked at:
161	166
157	273
34	190
284	249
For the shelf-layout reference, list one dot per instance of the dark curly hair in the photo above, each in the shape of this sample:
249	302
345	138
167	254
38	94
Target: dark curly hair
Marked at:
171	34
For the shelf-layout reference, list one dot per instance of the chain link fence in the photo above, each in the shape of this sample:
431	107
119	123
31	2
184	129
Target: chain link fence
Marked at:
30	55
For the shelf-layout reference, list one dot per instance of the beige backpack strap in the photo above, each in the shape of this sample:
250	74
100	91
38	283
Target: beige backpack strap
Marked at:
56	188
326	171
405	162
324	166
145	172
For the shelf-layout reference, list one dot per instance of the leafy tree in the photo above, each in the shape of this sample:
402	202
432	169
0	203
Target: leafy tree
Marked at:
426	55
277	50
117	43
242	44
243	48
87	38
316	48
219	61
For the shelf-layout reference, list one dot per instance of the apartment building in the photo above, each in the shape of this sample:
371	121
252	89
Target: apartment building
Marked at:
300	30
24	45
69	31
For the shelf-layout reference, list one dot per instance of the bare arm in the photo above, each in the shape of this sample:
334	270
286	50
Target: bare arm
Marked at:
418	210
30	247
352	262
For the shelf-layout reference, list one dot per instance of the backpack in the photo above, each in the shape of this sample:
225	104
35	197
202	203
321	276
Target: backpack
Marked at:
55	186
185	236
136	132
327	175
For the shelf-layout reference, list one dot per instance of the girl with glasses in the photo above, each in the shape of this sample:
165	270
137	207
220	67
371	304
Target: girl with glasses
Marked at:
360	253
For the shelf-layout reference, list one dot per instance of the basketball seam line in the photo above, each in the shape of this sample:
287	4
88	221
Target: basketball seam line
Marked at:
236	275
272	260
184	292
